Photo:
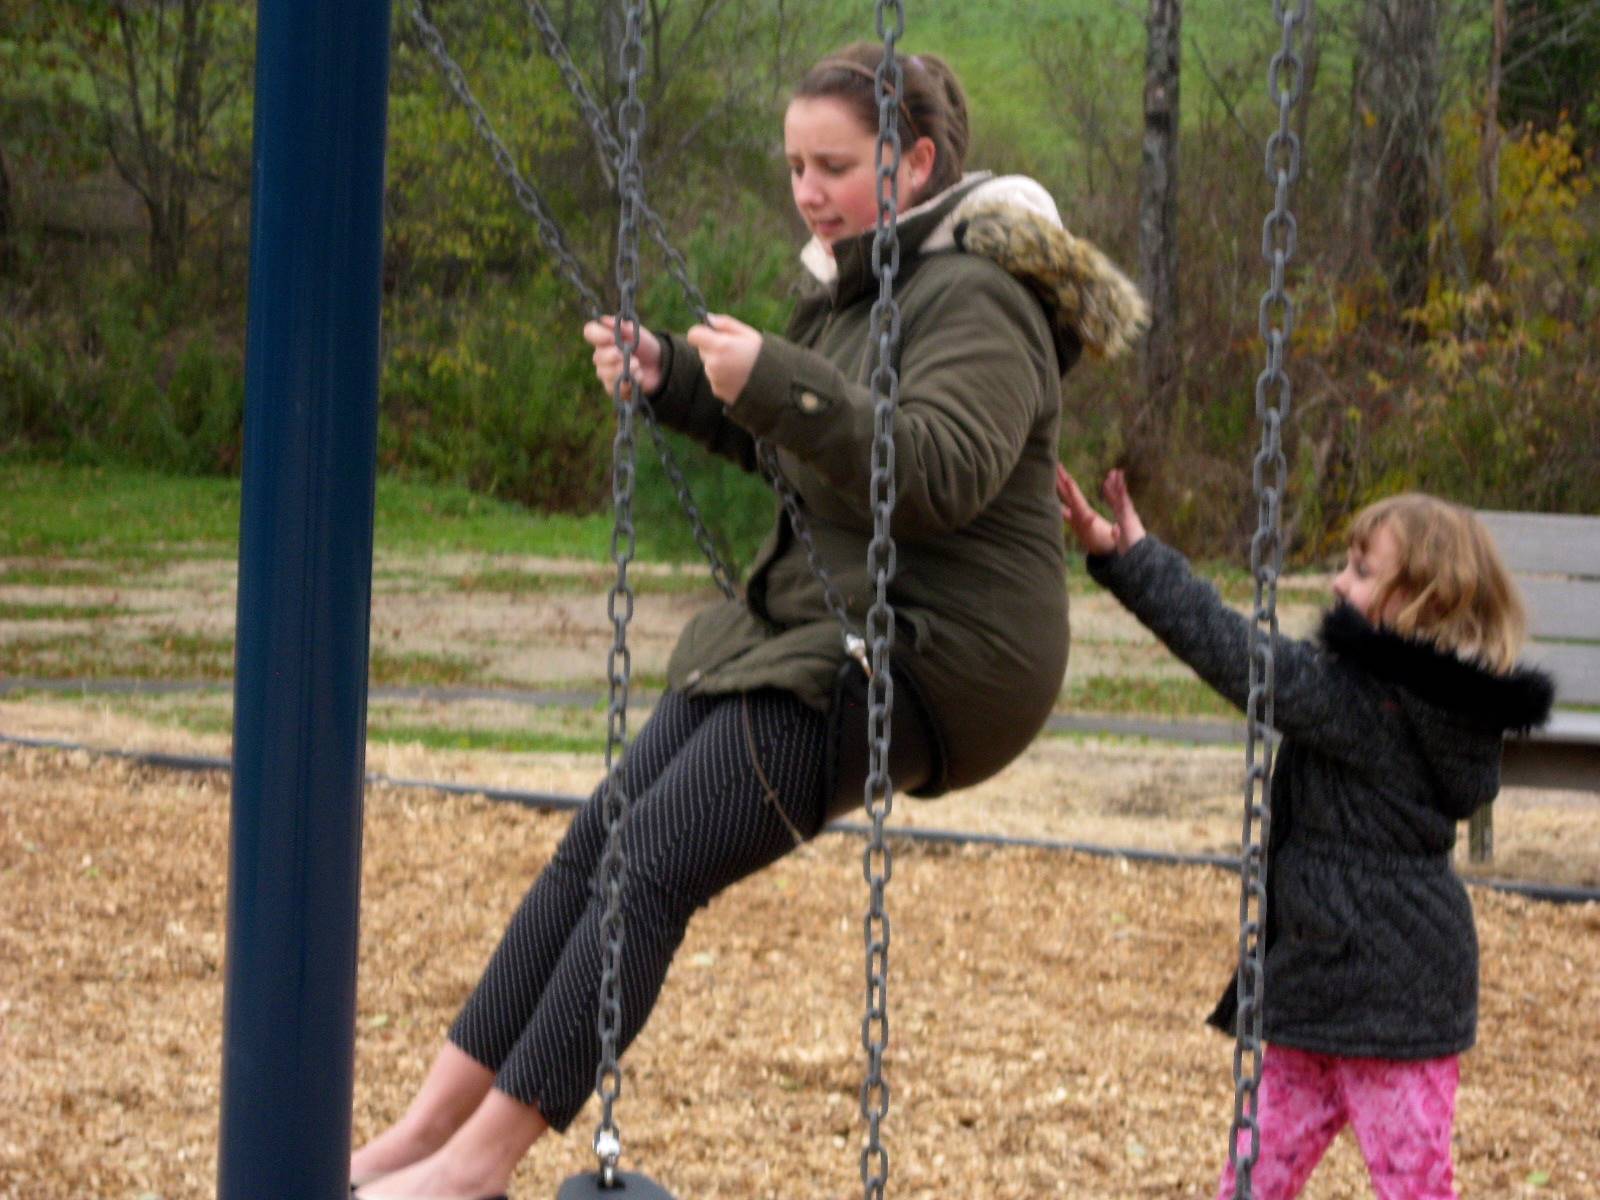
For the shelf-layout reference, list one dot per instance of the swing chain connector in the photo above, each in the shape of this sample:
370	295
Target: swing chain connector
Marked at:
856	647
608	1149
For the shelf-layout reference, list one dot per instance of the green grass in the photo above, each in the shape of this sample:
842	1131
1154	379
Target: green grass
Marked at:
1117	695
56	612
122	516
108	514
522	583
66	576
504	740
418	669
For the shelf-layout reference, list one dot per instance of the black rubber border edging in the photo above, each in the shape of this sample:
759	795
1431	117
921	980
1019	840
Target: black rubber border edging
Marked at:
1551	892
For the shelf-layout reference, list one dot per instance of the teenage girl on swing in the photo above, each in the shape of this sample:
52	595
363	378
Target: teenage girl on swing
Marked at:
738	762
1393	721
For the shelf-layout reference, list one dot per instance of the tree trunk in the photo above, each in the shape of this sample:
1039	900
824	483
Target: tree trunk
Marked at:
1161	357
1310	63
1489	160
8	225
1390	198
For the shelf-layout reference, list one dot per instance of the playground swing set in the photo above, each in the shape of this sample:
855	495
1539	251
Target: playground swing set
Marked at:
300	493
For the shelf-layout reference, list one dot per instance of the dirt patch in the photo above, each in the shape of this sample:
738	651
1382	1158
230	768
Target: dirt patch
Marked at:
1046	1009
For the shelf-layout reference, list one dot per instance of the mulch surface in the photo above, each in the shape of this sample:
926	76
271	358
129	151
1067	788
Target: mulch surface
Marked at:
1046	1009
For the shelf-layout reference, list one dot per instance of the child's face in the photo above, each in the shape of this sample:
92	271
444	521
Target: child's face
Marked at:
1365	570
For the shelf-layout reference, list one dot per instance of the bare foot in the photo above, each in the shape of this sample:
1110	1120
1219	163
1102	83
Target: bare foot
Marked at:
441	1176
454	1088
401	1145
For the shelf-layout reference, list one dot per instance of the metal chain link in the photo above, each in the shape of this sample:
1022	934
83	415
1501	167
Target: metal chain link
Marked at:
550	234
527	195
766	457
613	862
879	788
610	151
555	242
1269	479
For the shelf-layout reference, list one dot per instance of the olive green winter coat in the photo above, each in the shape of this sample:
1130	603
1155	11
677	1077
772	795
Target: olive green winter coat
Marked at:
979	591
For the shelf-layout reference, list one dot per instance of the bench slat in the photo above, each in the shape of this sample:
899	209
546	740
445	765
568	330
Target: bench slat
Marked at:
1563	608
1575	666
1547	543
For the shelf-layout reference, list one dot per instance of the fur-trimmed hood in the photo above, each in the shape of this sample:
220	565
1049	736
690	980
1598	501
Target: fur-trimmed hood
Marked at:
1011	219
1456	711
1516	701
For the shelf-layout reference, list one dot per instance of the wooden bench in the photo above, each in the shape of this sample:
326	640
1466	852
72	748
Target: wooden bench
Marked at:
1556	562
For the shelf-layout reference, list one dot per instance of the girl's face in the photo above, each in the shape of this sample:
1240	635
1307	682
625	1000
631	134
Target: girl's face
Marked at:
832	172
1365	570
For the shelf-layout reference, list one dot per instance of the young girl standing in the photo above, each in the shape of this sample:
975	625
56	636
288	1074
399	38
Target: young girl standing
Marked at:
1392	724
735	766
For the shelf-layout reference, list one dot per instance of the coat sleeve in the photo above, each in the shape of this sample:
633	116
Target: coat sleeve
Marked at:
1317	701
972	369
685	402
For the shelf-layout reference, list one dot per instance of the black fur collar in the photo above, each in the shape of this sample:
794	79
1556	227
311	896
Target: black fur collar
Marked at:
1520	699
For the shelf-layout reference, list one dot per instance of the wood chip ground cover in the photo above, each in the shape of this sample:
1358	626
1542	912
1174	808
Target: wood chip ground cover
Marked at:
1047	1034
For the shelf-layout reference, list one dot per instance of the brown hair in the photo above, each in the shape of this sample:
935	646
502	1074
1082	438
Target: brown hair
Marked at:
1456	590
932	104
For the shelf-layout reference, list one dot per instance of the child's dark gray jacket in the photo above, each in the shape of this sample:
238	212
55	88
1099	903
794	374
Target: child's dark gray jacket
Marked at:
1388	743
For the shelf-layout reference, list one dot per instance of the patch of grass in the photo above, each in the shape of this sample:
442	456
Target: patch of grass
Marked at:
1177	696
418	669
508	740
522	583
191	655
94	655
56	612
104	512
119	515
61	655
42	575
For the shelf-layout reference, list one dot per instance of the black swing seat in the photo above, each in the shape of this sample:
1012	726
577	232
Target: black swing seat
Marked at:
628	1184
916	755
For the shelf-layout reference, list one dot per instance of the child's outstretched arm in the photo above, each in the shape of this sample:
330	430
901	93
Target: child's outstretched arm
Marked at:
1314	701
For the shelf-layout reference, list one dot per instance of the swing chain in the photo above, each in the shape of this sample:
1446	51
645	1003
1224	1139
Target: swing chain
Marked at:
879	788
610	151
1269	480
555	242
767	457
527	195
550	233
613	863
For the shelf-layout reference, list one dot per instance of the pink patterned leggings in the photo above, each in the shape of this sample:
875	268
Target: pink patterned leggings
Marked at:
1401	1112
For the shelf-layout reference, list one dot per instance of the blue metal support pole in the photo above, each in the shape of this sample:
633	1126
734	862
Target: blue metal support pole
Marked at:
305	584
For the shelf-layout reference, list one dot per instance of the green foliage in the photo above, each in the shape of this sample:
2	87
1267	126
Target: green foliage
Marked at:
487	393
1553	67
123	374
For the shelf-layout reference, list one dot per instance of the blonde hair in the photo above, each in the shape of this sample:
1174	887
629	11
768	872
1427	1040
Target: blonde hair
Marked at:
1456	590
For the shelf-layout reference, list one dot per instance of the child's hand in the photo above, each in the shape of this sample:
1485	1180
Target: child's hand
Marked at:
645	370
1094	533
728	350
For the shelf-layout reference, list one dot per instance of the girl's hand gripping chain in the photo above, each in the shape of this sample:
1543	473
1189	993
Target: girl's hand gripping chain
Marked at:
1094	533
728	350
646	366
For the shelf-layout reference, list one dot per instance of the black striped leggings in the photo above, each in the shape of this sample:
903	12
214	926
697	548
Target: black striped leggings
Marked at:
703	817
